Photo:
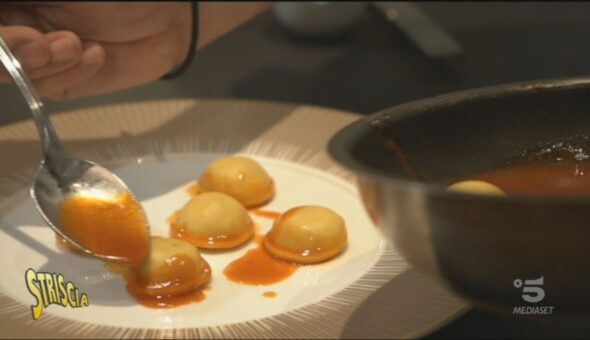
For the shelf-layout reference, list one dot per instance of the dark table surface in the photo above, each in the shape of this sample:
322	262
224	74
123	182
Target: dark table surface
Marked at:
375	67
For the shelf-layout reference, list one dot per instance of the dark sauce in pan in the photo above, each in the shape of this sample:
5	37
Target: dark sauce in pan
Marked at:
555	168
558	178
558	168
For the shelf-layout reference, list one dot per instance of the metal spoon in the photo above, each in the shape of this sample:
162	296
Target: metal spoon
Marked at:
60	174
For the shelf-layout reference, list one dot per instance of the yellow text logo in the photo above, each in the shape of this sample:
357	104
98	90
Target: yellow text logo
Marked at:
52	289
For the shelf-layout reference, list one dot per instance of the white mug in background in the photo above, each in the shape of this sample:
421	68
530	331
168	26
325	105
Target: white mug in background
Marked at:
319	18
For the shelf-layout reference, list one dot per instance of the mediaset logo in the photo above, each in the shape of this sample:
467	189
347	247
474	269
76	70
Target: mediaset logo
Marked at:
532	292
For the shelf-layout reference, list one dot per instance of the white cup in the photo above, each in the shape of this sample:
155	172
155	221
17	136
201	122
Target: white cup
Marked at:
318	18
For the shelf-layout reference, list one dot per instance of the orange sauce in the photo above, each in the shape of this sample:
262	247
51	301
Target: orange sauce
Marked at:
115	227
558	178
269	294
176	283
193	189
118	228
258	267
273	215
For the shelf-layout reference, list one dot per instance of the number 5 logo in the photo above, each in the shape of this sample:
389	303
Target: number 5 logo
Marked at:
532	292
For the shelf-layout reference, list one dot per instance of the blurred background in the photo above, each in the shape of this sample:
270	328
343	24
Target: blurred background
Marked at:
373	63
366	57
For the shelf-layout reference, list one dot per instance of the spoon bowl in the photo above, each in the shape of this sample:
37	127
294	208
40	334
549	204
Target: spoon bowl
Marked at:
80	178
60	174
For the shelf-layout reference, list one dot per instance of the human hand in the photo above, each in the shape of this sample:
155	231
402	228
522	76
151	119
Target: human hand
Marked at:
94	48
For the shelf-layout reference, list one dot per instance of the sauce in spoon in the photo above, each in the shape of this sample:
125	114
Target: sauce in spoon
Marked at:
114	227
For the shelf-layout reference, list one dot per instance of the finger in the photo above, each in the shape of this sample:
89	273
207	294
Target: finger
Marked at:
28	45
56	87
44	71
66	51
124	69
64	46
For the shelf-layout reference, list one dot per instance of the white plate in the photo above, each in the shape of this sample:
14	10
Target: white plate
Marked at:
158	148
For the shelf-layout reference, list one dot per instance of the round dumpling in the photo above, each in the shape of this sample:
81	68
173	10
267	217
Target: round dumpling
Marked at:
308	234
240	177
213	220
173	268
476	187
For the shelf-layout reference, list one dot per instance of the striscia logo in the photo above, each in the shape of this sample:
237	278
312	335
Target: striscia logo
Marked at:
52	289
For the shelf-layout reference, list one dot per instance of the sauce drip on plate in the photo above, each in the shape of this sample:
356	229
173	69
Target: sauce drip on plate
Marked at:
113	227
258	267
269	294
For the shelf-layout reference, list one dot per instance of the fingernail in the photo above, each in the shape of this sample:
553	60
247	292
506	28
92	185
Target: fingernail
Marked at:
30	54
63	50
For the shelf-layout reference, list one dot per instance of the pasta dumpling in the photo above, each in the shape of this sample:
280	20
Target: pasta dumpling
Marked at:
240	177
307	234
476	187
173	268
213	220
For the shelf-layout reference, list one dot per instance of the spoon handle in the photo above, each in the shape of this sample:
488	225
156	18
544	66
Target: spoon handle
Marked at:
52	146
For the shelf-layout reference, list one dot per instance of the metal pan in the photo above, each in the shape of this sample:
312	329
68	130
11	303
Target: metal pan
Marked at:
485	248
